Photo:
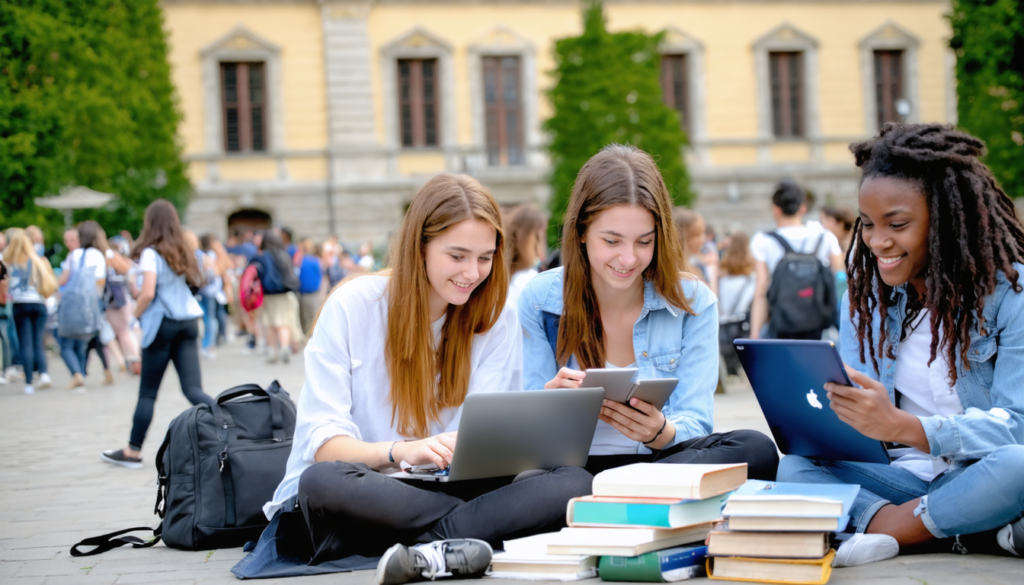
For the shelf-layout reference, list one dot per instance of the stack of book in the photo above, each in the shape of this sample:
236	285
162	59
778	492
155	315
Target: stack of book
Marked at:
778	532
632	528
641	514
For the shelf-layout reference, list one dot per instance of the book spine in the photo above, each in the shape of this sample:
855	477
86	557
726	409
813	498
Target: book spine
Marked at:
644	568
681	559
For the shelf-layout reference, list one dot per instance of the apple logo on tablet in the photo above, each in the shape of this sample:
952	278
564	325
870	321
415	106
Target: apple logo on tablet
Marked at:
812	399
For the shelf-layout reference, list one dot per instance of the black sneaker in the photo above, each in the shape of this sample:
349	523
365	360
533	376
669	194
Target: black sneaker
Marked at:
117	457
462	557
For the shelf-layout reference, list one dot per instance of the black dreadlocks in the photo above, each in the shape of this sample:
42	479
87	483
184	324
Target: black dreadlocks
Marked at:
973	234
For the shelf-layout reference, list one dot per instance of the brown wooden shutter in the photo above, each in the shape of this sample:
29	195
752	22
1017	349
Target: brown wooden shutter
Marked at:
675	86
418	103
888	85
787	89
503	111
244	106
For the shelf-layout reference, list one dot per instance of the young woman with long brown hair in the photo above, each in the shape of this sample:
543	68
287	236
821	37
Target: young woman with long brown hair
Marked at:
169	315
526	232
391	358
622	299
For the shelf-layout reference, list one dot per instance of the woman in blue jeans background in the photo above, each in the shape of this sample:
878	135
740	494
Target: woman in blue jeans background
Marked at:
933	335
31	281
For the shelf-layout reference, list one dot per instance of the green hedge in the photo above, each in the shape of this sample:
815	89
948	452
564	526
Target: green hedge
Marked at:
86	99
607	90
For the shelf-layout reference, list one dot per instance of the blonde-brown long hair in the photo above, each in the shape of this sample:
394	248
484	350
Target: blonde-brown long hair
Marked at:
618	175
426	379
20	251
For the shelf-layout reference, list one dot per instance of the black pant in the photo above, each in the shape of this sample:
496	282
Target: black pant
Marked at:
750	447
175	341
30	321
350	509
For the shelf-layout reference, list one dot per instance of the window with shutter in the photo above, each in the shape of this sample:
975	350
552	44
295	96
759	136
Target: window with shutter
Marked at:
418	107
675	86
888	85
244	104
503	111
787	87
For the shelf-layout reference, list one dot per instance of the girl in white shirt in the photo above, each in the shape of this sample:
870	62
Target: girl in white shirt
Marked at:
391	358
526	234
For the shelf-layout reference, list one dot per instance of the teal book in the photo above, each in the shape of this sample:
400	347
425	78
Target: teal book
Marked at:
661	566
646	512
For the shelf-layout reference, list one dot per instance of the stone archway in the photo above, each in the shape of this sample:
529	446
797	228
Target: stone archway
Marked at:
245	220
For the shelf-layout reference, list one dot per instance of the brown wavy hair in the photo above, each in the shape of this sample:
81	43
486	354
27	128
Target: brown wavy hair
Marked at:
738	261
618	175
161	230
426	379
523	221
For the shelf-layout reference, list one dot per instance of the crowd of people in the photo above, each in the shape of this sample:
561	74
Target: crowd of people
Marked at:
471	302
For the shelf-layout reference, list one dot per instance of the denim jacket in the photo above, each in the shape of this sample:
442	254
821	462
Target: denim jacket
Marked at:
667	343
991	391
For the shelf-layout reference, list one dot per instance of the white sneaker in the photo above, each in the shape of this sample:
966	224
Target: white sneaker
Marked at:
29	390
44	381
861	549
2	379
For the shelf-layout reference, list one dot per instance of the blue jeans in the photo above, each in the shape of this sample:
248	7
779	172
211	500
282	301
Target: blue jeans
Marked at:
984	495
210	324
73	352
30	320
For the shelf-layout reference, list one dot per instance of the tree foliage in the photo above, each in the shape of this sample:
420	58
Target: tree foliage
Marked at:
608	90
86	99
988	37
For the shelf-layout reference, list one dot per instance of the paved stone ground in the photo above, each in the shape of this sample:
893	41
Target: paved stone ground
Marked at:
54	490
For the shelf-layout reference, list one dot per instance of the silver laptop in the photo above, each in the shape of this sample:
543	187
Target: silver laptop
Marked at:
506	433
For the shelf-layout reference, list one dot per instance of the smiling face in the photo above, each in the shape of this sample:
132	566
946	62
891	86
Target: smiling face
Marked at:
457	262
894	219
620	246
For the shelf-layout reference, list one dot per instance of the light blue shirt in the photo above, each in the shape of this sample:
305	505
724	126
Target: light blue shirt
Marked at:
991	391
173	299
668	342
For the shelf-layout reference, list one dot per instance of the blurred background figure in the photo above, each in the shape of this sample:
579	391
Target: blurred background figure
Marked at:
839	221
693	236
526	229
212	287
311	282
31	282
279	314
736	287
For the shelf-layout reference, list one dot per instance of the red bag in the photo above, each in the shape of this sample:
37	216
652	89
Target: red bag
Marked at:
250	289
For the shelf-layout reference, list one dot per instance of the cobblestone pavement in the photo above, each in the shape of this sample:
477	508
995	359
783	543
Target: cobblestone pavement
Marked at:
54	490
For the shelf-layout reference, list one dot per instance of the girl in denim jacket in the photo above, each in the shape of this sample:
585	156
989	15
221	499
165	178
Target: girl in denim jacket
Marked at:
624	298
933	335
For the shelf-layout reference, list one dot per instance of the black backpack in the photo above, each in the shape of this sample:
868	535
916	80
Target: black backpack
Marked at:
217	467
802	296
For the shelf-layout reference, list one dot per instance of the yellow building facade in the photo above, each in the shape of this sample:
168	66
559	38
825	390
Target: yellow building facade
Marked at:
326	115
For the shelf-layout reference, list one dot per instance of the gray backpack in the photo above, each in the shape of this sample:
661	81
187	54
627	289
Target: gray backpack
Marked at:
216	468
78	314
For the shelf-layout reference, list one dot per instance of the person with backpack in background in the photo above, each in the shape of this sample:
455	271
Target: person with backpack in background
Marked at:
279	314
80	316
169	315
31	282
795	266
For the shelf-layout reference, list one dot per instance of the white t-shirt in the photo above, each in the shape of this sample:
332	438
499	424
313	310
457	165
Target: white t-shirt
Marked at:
926	392
347	384
801	238
93	259
517	283
735	294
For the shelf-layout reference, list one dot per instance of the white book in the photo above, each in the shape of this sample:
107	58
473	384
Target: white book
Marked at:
624	542
683	481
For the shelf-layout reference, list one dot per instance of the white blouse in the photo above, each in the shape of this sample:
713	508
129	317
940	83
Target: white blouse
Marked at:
347	384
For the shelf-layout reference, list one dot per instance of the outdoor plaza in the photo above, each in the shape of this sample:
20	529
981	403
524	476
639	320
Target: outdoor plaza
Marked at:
55	490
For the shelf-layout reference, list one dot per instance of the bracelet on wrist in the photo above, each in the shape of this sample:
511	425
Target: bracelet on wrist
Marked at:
391	457
658	434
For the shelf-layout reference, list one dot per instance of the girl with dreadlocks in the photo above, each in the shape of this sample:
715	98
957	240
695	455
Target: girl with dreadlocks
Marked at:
933	335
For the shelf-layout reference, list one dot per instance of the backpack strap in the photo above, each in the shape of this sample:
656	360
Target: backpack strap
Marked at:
106	542
782	242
